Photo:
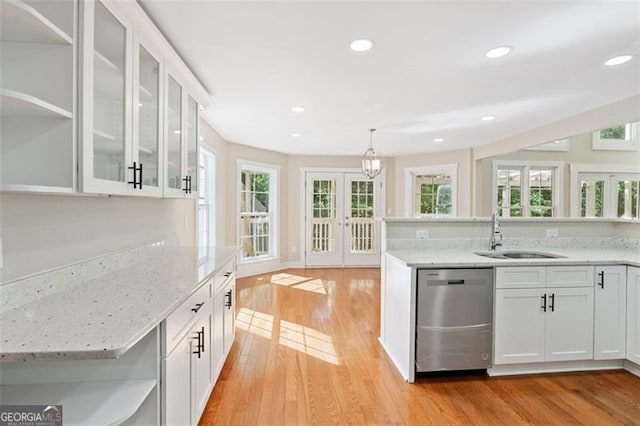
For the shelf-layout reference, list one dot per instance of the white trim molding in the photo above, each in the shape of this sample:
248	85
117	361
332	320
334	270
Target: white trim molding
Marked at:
410	174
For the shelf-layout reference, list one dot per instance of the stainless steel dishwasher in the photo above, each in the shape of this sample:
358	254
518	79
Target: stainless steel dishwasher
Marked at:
454	319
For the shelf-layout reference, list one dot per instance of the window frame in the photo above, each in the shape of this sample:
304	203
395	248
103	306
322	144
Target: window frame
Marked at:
526	166
609	174
207	192
410	187
627	144
274	184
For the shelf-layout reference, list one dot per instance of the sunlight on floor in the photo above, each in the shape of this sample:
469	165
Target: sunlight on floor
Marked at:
255	322
308	341
313	285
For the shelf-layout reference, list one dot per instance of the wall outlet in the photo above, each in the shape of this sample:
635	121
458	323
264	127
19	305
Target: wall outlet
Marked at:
552	233
422	233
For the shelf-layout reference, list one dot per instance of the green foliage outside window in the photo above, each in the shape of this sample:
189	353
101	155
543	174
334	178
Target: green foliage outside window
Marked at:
617	132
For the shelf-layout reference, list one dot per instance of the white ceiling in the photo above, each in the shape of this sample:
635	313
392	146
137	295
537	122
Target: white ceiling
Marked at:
426	77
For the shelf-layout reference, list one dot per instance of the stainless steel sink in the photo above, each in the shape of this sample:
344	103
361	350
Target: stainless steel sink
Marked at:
513	254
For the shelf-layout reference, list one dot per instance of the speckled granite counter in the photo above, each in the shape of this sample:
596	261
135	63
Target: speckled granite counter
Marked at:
100	308
465	258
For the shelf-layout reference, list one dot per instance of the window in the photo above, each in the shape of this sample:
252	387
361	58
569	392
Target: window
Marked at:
257	225
605	194
617	138
206	207
431	190
526	189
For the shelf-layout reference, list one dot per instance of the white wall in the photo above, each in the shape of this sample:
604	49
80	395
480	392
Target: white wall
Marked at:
40	232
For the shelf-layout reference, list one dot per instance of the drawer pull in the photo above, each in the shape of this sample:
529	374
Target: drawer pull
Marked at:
601	275
552	304
198	306
544	303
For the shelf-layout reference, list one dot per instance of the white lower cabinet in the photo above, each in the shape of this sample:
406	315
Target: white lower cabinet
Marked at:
543	324
197	338
633	314
610	312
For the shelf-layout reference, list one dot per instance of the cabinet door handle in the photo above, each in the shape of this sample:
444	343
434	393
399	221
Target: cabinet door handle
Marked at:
201	333
189	184
601	275
186	184
229	296
198	306
135	182
552	305
140	177
198	350
544	302
227	275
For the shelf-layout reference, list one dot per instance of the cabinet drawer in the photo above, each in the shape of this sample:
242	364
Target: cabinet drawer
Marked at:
520	277
570	276
223	276
184	316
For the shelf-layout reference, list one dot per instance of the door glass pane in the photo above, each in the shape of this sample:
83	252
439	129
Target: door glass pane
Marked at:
324	217
591	197
541	193
627	199
174	136
148	116
509	192
432	195
109	96
192	142
362	225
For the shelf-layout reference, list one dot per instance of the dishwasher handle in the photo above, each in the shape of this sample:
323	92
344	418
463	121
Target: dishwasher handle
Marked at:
455	282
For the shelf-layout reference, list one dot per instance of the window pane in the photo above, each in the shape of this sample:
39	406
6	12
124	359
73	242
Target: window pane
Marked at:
591	198
617	132
255	217
433	195
509	191
627	199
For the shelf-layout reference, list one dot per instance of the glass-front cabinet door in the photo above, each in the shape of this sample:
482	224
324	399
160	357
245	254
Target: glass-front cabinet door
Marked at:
147	120
106	100
181	145
174	182
192	147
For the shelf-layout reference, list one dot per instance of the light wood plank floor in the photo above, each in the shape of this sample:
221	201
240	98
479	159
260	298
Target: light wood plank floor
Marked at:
306	352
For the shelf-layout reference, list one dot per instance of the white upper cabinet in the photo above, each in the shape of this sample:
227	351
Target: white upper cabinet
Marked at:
132	132
181	136
37	95
148	115
107	94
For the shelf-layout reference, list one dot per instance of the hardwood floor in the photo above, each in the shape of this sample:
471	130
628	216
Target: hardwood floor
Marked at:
306	352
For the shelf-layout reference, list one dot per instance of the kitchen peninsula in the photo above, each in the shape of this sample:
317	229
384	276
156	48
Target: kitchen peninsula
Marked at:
453	243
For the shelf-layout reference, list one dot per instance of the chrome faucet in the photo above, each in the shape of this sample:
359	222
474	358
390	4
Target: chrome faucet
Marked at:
496	236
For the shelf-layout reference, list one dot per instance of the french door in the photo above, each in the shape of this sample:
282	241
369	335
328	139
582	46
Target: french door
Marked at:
341	226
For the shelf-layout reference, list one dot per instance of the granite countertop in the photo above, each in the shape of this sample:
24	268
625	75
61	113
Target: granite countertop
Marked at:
465	257
101	308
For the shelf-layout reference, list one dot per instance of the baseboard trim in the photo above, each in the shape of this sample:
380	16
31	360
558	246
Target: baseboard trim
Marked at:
555	367
406	377
632	367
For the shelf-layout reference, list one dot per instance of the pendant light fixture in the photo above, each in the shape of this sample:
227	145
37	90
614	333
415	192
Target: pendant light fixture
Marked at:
371	162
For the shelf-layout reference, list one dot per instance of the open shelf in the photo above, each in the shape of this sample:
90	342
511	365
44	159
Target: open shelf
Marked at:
93	403
20	22
19	104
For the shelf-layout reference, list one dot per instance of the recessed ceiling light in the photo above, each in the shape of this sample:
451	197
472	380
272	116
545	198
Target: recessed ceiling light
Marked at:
361	45
438	140
295	135
498	52
618	60
488	118
297	109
